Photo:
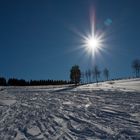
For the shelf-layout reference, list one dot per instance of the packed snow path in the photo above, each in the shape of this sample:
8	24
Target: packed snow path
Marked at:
41	113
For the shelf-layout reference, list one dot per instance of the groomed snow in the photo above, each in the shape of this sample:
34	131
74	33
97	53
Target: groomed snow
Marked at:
108	111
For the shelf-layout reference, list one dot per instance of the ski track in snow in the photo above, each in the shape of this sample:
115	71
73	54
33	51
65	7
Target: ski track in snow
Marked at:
44	114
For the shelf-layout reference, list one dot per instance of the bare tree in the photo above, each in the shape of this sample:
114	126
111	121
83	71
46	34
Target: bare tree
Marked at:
86	74
93	75
136	67
89	75
106	73
83	77
96	73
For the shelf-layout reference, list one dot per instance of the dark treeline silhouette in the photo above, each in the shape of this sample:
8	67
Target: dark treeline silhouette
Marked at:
17	82
2	81
22	82
48	82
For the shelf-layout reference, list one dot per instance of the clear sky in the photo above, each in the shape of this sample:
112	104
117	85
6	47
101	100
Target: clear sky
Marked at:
39	39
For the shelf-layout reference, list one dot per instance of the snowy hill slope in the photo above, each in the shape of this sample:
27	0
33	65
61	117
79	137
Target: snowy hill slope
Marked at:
126	85
130	84
88	112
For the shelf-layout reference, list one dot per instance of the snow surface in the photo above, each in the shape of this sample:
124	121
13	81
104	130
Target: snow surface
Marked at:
108	111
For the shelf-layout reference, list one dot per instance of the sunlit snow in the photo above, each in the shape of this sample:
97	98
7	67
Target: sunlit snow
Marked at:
110	110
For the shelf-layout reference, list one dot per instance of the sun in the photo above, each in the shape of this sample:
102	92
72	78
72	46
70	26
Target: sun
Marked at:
92	43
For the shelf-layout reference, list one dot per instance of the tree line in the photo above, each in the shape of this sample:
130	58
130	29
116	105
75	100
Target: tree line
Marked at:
88	76
94	74
22	82
76	77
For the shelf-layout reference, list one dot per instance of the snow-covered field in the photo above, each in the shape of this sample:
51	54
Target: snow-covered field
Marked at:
108	111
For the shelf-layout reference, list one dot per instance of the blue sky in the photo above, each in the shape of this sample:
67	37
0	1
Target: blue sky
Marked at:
39	40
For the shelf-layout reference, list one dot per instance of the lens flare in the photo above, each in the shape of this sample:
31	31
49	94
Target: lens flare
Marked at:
92	41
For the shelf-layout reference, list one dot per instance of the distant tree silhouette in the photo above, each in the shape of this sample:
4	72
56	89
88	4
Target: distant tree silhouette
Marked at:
83	77
86	74
106	73
17	82
96	73
2	81
136	67
92	74
89	75
75	74
47	82
22	82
